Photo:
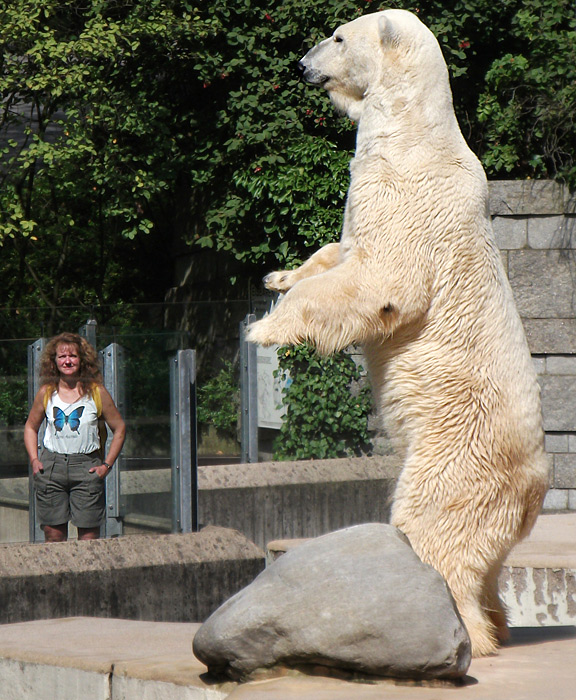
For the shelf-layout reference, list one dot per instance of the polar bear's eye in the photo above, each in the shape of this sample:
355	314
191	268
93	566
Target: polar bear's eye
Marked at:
338	38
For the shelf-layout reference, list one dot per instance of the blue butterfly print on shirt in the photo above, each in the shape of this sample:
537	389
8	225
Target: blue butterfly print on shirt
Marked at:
73	420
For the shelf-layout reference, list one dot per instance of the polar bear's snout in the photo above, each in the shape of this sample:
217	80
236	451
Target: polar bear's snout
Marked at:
311	75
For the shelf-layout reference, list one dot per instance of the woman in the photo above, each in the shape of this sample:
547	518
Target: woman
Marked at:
69	473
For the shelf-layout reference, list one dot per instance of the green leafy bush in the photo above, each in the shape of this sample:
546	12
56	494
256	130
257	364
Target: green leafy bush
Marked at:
218	401
13	401
528	105
327	408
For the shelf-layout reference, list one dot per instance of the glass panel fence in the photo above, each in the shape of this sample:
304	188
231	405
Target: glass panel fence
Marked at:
14	504
145	503
145	468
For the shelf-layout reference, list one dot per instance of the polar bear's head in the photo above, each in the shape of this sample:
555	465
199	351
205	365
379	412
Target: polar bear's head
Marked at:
388	58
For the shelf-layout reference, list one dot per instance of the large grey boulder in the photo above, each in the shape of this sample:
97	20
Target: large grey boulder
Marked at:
357	599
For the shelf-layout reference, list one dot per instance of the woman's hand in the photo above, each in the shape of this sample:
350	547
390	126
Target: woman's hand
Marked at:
102	470
37	466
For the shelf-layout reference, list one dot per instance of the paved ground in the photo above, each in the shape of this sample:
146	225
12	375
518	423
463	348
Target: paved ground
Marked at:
103	659
98	659
538	665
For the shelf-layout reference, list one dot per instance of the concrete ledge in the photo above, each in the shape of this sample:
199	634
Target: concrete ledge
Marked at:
311	471
161	577
538	581
276	500
542	596
97	659
551	544
269	500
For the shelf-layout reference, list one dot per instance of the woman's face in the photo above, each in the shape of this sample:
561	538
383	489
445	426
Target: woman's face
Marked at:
67	360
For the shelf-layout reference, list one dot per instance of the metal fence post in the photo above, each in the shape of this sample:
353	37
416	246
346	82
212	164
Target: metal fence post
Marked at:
89	330
34	354
113	369
184	441
248	394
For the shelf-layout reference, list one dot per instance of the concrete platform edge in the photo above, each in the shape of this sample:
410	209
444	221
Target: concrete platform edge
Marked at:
538	659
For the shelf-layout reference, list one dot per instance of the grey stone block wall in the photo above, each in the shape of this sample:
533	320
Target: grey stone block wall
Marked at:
535	227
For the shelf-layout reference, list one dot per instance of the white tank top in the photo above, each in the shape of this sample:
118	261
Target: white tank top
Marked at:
71	428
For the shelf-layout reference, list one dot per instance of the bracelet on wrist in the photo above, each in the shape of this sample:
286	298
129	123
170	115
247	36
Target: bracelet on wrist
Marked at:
107	465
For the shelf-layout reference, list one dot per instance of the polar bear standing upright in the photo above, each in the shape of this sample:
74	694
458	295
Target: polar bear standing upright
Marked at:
417	280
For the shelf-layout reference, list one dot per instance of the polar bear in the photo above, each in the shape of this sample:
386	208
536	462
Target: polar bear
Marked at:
417	280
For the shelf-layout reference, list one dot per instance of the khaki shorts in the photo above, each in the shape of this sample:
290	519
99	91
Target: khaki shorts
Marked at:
67	491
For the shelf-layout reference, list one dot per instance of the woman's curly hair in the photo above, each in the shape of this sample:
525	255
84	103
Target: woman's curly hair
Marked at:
89	371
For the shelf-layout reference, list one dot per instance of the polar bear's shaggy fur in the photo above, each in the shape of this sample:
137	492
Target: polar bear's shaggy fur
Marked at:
417	280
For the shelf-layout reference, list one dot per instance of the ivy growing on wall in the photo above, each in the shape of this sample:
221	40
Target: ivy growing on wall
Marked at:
327	406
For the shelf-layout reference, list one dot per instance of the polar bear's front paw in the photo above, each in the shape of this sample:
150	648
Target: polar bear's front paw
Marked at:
263	332
279	281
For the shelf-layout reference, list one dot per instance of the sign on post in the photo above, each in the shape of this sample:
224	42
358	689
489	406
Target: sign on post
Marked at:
271	384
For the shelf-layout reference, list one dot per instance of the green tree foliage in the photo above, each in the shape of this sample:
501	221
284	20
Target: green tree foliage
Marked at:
95	120
91	88
13	400
276	157
219	401
528	105
327	406
128	123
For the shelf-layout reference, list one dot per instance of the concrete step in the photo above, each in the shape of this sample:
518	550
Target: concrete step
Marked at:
85	658
538	579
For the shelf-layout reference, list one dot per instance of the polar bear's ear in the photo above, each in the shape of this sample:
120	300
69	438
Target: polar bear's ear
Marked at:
388	32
